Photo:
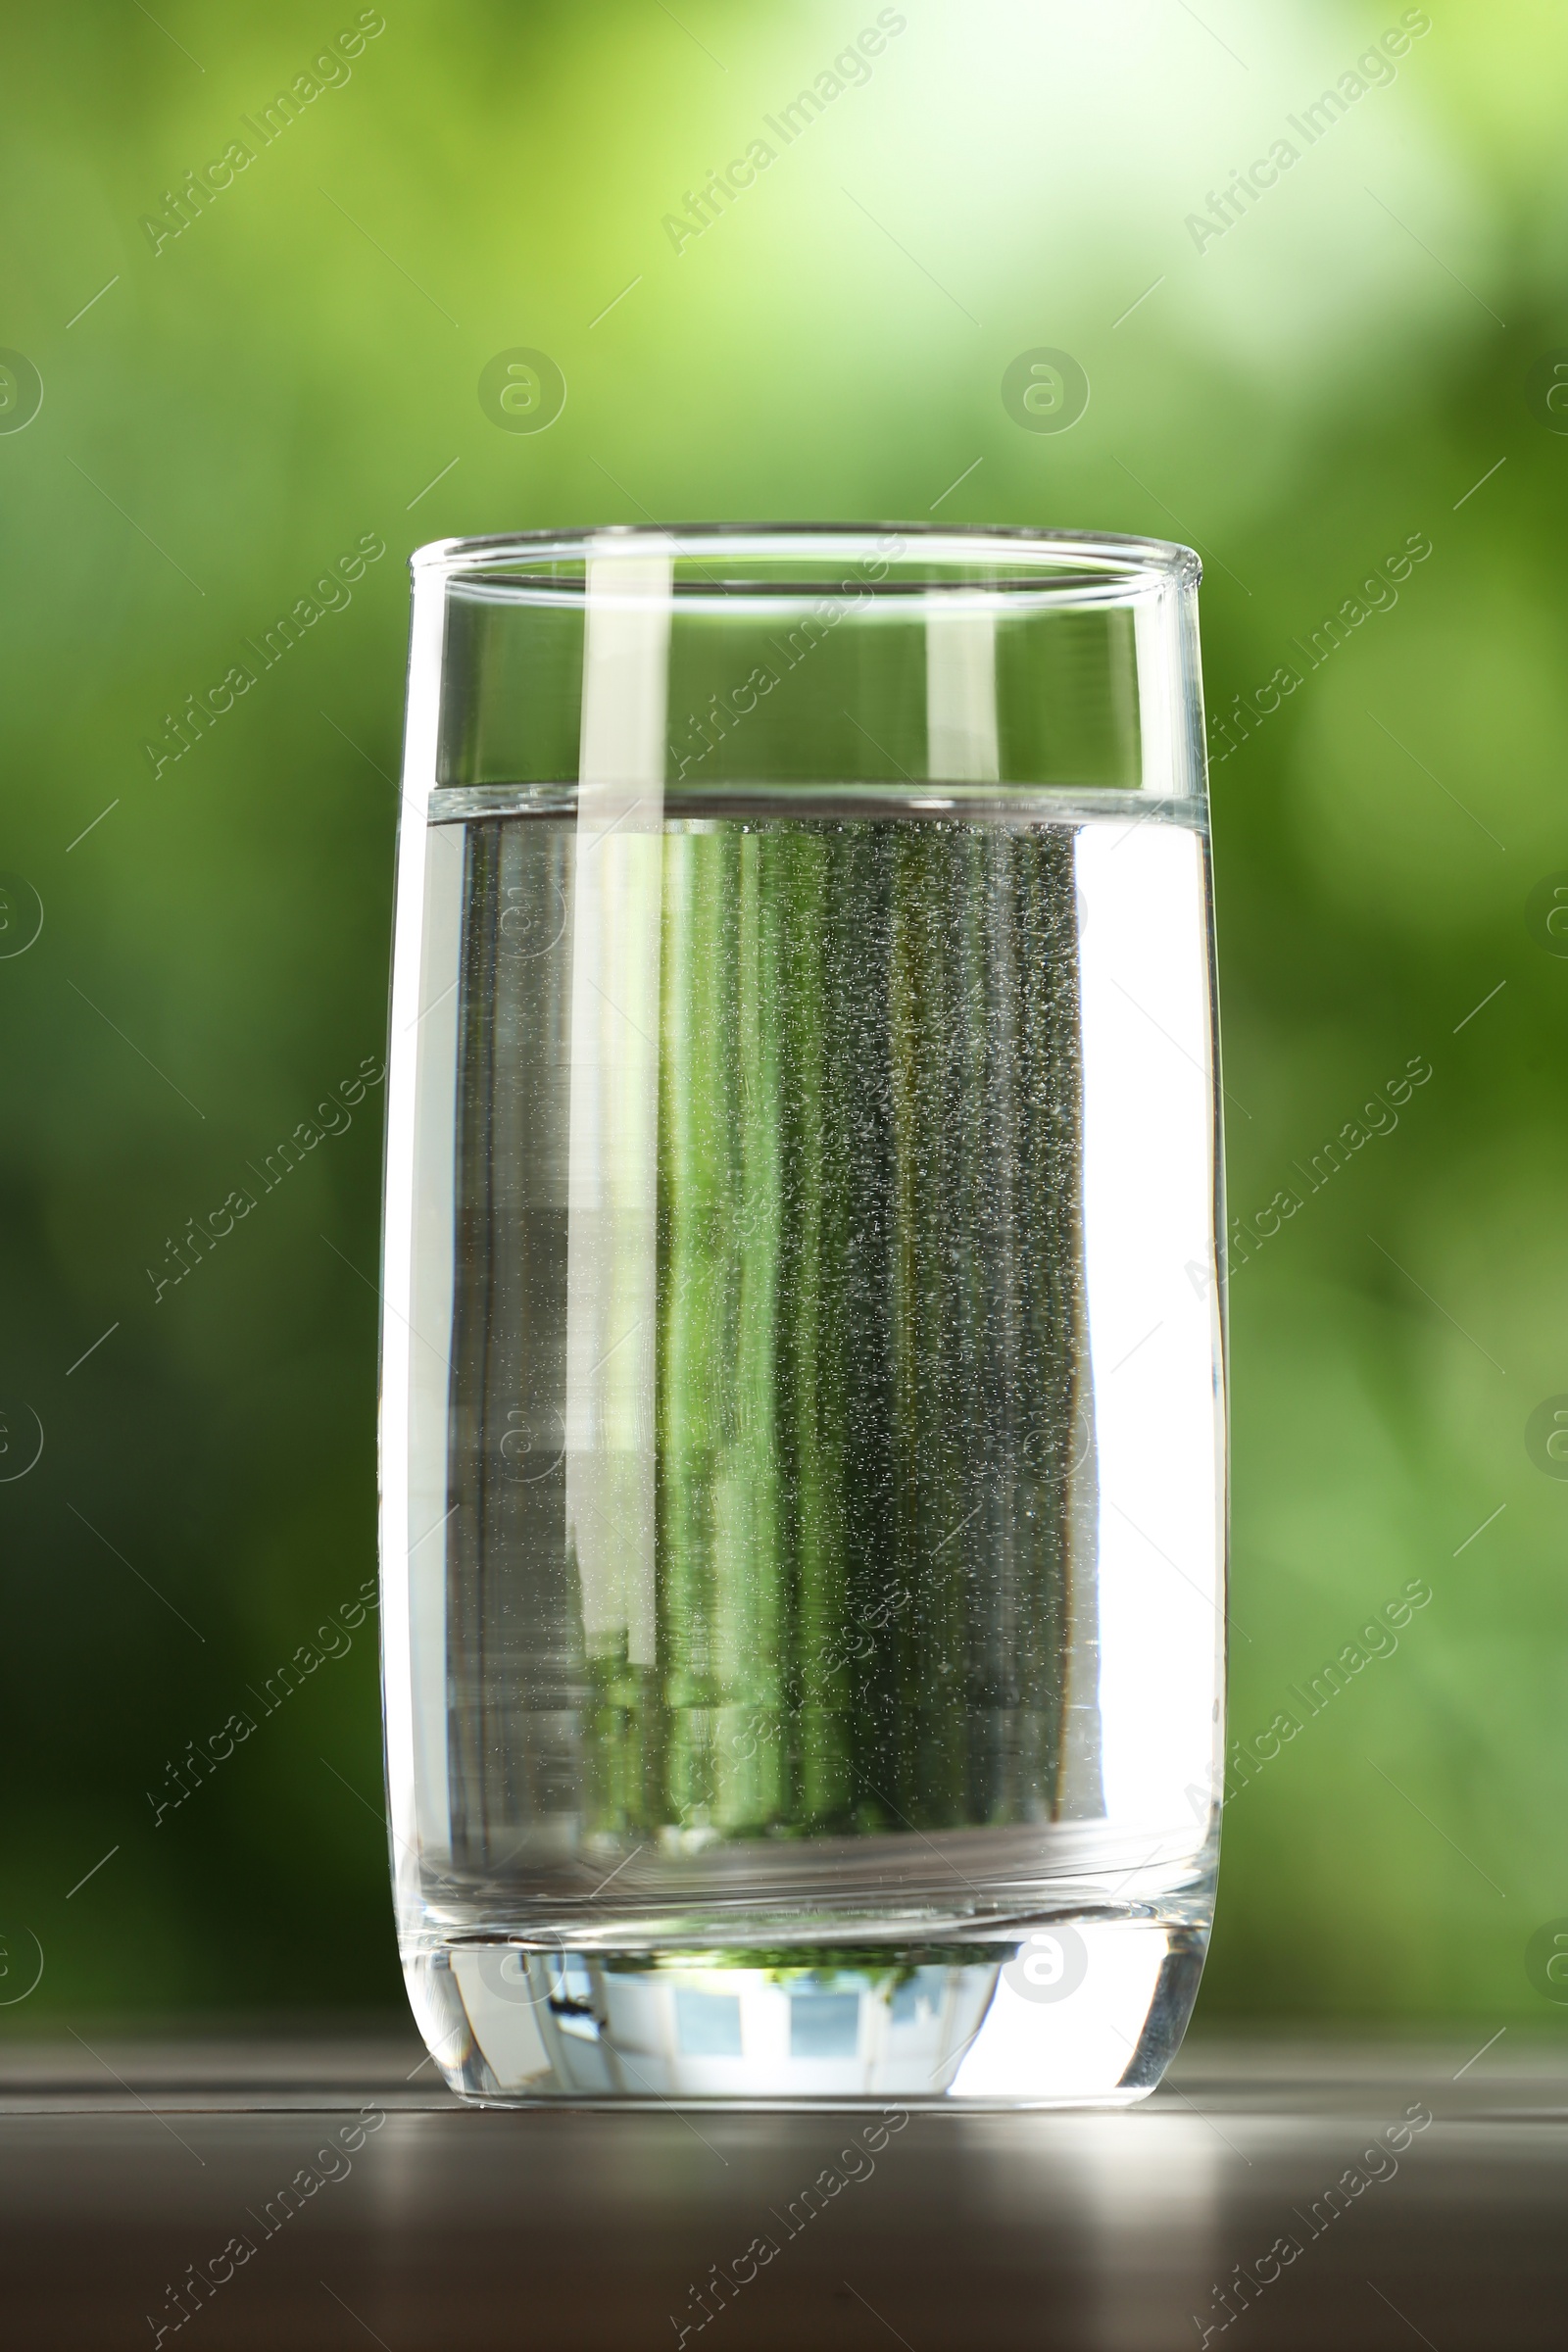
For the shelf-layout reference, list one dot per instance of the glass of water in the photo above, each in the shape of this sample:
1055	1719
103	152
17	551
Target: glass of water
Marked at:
803	1408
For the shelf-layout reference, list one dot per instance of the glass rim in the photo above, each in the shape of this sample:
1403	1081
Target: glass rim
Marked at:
1101	557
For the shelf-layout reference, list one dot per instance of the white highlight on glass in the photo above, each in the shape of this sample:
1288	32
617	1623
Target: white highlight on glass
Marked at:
613	1169
1149	1177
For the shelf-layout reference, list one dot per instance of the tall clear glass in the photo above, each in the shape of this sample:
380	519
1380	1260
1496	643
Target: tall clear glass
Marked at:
803	1408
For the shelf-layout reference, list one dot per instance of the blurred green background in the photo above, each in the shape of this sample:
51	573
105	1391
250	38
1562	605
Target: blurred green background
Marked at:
1362	356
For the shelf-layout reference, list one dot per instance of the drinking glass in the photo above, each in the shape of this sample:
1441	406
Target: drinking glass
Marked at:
803	1408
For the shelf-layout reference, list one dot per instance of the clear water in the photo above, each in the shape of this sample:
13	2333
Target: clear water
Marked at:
813	1451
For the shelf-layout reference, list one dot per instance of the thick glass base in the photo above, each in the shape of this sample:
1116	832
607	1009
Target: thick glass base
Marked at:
1085	2009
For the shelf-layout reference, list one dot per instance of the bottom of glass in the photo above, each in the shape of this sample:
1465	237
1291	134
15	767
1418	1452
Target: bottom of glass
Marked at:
1072	2010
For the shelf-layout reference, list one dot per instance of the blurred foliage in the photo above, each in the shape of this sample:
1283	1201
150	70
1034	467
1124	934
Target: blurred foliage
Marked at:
299	367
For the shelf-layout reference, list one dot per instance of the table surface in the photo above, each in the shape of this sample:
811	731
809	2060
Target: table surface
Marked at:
417	2223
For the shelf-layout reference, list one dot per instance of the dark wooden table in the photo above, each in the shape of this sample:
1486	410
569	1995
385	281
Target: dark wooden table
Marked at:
416	2223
